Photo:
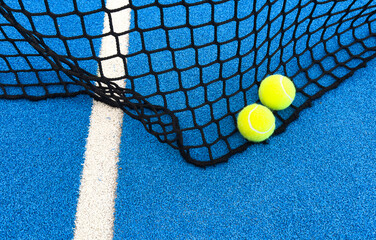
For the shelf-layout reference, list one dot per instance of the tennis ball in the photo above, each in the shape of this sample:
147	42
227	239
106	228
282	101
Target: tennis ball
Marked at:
277	92
256	123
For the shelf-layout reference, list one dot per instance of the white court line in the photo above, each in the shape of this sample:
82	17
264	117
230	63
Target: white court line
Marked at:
96	202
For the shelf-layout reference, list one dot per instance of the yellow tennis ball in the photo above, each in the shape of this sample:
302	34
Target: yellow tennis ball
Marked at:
277	92
256	123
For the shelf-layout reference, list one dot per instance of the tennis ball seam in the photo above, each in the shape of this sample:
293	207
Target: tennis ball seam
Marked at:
283	88
250	124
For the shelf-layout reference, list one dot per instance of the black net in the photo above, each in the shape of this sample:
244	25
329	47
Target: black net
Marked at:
183	68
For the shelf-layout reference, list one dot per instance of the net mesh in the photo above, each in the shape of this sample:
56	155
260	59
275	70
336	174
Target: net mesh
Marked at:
184	69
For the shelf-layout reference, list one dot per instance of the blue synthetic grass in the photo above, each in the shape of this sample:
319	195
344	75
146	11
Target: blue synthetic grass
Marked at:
43	143
315	181
42	147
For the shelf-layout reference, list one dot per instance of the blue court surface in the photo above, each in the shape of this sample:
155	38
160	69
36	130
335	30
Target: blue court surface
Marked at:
317	180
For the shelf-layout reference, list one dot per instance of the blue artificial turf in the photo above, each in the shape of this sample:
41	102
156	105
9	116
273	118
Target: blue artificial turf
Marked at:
42	147
315	181
43	143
